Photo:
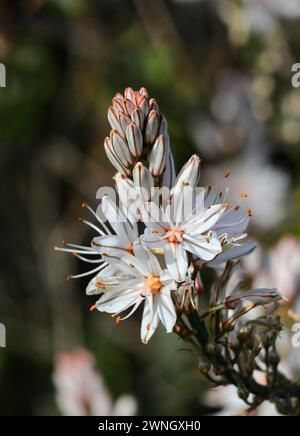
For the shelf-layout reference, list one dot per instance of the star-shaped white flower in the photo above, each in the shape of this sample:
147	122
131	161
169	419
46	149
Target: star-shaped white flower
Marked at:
141	279
184	224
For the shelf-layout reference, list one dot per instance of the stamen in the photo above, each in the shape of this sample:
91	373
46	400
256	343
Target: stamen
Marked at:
106	229
87	273
92	308
71	250
84	259
88	223
227	173
135	307
83	247
243	195
154	284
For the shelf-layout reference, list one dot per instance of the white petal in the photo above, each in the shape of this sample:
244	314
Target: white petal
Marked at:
118	221
122	261
205	249
116	301
148	259
189	173
152	216
176	260
232	222
150	319
232	253
166	310
92	288
205	222
153	238
101	243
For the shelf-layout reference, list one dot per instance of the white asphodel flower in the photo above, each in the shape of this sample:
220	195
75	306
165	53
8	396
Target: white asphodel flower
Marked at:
183	224
141	279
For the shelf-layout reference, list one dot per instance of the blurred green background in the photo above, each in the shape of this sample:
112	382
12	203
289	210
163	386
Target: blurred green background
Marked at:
221	73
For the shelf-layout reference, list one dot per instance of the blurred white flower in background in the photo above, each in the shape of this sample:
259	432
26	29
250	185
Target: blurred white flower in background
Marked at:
238	109
281	268
80	389
227	399
263	188
255	17
287	8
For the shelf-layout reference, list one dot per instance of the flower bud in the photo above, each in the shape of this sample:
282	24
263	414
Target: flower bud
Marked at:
138	118
129	94
158	156
117	103
169	175
114	159
143	91
257	297
128	106
199	288
135	139
124	187
121	149
113	119
163	128
151	127
144	106
143	180
124	121
153	104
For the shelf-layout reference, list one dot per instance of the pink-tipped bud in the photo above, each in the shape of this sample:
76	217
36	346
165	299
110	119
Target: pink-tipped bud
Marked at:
258	297
158	156
121	148
113	119
152	127
135	139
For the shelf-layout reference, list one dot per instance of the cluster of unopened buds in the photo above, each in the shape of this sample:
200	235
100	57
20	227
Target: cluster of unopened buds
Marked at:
155	240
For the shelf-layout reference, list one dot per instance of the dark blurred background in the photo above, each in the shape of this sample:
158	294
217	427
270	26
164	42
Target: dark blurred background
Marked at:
221	73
